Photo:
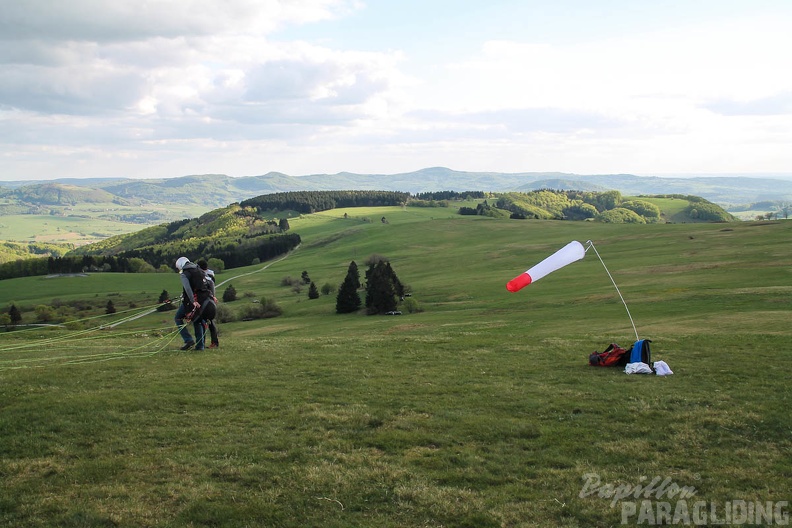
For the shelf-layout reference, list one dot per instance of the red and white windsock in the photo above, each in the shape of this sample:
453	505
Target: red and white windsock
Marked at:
566	255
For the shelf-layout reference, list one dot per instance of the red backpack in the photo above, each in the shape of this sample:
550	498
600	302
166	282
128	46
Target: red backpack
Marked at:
613	356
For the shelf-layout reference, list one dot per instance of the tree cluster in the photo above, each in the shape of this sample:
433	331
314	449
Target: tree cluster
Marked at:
450	195
482	209
383	288
307	202
608	206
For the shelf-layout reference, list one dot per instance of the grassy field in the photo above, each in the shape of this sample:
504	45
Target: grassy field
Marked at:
478	411
84	223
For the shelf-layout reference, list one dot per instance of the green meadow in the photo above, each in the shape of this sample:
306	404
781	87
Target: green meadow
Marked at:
61	229
86	223
477	410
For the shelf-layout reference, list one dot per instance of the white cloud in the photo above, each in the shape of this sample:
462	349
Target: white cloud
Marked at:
131	20
89	84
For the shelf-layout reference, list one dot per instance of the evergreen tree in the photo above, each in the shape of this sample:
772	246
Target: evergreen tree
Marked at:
355	273
398	287
380	289
165	304
284	224
229	294
14	314
110	309
348	300
305	278
313	291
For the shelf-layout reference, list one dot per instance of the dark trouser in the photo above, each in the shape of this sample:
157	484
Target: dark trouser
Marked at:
181	312
212	331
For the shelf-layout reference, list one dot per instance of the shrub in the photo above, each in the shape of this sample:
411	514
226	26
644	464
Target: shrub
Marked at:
229	294
411	305
288	280
265	309
620	216
224	314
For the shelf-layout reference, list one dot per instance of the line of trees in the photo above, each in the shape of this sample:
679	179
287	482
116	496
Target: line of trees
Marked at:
234	253
607	206
307	202
451	195
151	259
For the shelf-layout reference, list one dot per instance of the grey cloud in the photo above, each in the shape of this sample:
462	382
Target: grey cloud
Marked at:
74	73
285	80
125	20
93	20
69	91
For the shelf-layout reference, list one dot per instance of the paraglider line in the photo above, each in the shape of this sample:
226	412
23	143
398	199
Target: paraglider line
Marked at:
590	244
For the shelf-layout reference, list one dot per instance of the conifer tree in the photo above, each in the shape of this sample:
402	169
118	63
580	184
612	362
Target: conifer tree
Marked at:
14	314
230	294
110	308
355	273
348	300
380	289
398	287
313	291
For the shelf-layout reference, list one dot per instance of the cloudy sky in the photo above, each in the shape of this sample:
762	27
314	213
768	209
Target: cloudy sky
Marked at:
165	88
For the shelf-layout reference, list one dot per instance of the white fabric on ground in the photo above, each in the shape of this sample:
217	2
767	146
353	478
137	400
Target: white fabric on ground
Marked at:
662	368
637	368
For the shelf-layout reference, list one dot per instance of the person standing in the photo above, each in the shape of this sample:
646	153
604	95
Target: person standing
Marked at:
210	283
194	290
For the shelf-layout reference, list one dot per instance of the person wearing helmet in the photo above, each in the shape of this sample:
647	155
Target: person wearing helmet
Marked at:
193	289
210	283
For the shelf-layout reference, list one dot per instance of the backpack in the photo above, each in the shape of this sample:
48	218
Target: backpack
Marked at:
197	279
640	352
613	356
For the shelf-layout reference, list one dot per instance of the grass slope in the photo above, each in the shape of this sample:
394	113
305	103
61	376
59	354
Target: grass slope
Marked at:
479	411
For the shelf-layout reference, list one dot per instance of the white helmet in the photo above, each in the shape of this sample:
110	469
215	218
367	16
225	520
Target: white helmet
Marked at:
181	262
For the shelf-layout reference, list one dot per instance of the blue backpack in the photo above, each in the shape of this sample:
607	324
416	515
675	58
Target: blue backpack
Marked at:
641	353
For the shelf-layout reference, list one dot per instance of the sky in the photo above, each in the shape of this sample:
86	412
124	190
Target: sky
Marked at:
166	88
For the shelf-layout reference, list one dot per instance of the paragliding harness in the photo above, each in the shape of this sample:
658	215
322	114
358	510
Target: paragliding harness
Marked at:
613	356
616	356
206	309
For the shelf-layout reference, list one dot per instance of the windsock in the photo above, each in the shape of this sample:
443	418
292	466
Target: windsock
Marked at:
566	255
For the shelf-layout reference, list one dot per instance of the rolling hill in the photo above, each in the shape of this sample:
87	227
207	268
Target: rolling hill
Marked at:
256	228
217	190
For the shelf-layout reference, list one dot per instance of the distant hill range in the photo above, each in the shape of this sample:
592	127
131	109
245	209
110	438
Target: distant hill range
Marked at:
217	190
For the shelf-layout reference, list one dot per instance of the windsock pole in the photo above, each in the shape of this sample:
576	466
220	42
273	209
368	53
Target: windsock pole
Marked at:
590	245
